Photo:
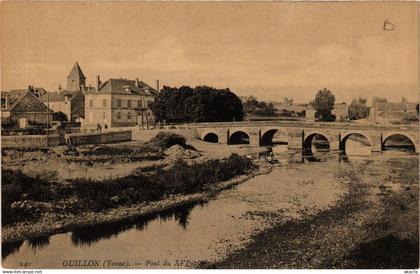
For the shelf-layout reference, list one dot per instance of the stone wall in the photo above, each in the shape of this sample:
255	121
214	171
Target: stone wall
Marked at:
98	137
30	141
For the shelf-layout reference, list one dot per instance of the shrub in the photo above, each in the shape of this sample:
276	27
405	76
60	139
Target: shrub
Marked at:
328	118
166	140
17	187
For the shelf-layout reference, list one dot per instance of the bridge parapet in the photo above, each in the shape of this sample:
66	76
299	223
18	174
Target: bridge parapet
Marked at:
334	125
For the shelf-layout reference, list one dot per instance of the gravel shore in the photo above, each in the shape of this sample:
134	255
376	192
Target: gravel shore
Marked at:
374	225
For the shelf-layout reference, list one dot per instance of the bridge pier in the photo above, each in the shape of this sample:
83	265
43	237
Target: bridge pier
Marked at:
295	139
335	143
224	137
255	137
376	138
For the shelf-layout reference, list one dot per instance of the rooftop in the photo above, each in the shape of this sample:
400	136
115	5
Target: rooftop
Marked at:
76	72
124	86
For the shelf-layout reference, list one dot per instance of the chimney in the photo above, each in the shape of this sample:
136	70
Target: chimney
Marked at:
98	82
157	85
59	88
137	82
6	103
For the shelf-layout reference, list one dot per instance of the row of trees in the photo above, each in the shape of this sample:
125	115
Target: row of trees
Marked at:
324	104
207	104
199	104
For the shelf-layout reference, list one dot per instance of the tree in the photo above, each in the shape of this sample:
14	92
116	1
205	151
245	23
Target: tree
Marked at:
358	109
324	104
201	104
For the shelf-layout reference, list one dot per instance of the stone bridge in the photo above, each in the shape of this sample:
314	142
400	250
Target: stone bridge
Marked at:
300	134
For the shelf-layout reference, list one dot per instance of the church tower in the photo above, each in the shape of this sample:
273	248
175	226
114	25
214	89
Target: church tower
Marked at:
76	79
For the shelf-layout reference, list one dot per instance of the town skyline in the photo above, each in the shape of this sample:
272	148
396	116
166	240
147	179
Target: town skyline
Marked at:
211	44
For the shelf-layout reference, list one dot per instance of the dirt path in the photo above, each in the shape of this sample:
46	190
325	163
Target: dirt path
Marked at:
368	228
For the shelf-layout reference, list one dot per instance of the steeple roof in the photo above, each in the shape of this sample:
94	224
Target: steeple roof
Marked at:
76	72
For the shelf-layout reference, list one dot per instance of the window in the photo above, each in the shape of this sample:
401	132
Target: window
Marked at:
129	103
91	103
104	115
139	104
129	116
104	103
119	116
119	103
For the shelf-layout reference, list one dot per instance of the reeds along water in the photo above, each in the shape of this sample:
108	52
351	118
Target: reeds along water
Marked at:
22	201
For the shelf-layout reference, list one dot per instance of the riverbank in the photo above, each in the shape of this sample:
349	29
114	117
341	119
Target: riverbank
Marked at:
49	224
165	172
374	225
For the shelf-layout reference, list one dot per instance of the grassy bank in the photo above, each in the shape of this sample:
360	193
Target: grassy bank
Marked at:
53	191
27	198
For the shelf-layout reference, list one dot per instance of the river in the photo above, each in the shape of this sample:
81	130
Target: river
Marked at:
203	232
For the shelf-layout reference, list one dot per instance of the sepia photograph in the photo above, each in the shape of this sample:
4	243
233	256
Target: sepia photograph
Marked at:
209	135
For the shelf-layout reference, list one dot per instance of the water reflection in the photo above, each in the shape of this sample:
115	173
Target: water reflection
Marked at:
355	144
401	148
87	236
10	248
399	142
319	151
38	243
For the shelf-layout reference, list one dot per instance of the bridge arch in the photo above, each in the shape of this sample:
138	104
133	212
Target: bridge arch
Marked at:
409	138
208	135
239	137
267	136
309	137
211	137
346	136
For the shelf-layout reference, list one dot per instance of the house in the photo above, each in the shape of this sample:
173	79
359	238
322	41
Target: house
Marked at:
119	103
384	112
24	109
14	94
70	101
76	80
72	104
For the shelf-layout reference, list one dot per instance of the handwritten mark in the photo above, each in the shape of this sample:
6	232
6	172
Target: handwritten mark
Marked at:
388	25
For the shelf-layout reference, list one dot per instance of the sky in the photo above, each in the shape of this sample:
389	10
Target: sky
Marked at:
270	50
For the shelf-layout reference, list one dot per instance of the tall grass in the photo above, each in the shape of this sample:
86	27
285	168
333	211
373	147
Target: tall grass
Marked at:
86	195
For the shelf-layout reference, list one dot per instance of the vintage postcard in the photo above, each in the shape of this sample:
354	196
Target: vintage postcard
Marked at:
209	135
